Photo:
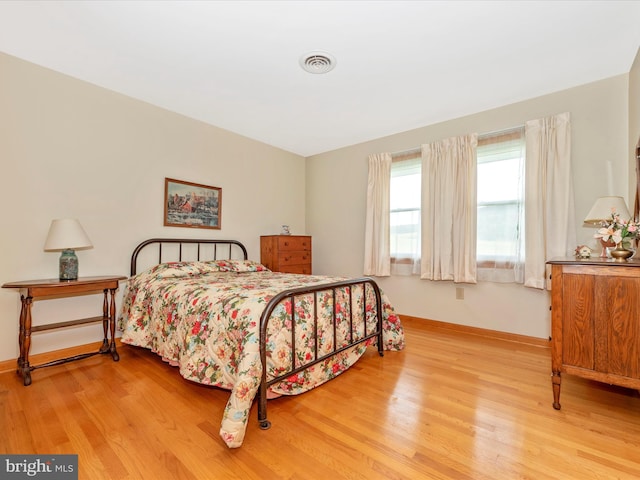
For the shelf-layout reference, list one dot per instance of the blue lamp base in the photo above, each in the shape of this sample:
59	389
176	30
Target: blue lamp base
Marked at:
68	265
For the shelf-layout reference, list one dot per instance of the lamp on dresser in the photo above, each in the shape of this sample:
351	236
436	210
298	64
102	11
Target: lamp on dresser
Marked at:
601	212
67	235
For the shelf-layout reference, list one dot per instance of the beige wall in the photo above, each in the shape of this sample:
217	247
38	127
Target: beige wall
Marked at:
336	196
71	149
634	122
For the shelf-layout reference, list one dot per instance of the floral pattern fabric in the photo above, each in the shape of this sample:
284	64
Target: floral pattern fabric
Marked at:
204	317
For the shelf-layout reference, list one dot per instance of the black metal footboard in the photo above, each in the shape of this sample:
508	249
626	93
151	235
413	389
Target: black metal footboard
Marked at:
292	295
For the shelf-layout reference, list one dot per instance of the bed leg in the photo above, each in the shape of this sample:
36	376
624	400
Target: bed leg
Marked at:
380	340
380	316
265	425
262	408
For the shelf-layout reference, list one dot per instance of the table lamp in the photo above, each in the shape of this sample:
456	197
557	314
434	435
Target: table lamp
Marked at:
67	235
601	211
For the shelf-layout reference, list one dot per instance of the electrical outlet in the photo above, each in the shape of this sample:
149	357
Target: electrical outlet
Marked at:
459	293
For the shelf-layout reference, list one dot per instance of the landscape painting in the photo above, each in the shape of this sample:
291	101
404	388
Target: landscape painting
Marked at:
191	205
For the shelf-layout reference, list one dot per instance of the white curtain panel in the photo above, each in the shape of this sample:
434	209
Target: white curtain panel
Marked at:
449	209
636	203
377	256
549	201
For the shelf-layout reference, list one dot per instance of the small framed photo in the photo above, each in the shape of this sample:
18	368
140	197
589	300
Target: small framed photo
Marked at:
191	205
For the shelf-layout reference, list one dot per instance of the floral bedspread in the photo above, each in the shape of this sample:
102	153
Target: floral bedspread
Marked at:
204	317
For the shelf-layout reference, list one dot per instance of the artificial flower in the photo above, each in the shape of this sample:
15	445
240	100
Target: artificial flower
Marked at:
617	229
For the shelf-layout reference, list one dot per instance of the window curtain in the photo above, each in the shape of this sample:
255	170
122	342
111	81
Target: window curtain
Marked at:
449	210
636	203
549	203
377	257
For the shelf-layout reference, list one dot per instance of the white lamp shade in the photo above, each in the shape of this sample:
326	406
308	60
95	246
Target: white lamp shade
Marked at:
605	207
66	234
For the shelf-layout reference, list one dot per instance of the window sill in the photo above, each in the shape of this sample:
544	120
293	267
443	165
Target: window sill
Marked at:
401	261
495	264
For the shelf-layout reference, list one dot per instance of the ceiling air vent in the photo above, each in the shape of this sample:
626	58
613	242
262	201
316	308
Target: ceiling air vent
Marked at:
317	62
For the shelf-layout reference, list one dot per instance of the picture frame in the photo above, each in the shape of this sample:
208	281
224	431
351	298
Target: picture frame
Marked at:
192	205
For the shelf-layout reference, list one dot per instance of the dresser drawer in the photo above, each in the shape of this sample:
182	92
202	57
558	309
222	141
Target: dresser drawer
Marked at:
301	269
294	243
294	258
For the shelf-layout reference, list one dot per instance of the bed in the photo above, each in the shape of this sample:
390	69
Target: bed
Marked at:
228	321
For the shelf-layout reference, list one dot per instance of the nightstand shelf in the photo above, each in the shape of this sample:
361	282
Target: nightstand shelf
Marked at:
32	290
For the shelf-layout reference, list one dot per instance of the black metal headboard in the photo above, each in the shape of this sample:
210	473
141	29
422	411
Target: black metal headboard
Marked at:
203	249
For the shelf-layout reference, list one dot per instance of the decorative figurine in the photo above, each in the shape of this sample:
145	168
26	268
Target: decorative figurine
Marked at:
285	230
582	251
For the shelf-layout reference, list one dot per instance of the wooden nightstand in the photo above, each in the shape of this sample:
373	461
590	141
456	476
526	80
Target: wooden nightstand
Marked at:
595	321
31	290
286	253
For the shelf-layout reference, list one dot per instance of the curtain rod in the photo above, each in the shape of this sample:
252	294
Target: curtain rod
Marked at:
487	134
502	131
407	152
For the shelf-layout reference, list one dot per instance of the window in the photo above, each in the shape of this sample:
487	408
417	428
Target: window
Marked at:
500	193
500	202
405	207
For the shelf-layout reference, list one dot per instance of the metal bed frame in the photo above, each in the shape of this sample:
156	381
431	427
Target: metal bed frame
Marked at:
209	249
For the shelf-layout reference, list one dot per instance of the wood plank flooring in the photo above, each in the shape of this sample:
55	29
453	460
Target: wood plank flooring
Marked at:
451	406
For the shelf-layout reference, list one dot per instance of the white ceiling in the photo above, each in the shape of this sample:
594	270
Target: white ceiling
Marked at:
400	65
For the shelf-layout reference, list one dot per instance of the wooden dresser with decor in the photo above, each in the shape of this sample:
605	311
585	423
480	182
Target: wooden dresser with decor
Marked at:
595	321
286	253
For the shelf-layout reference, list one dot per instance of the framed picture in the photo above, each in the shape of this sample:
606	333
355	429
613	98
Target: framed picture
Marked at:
191	205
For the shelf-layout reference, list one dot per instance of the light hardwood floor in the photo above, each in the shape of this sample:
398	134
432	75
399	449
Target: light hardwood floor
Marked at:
451	406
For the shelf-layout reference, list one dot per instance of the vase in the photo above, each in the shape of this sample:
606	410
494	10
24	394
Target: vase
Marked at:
620	254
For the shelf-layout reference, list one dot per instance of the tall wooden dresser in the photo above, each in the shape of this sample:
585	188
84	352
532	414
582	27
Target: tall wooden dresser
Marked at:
286	253
595	321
